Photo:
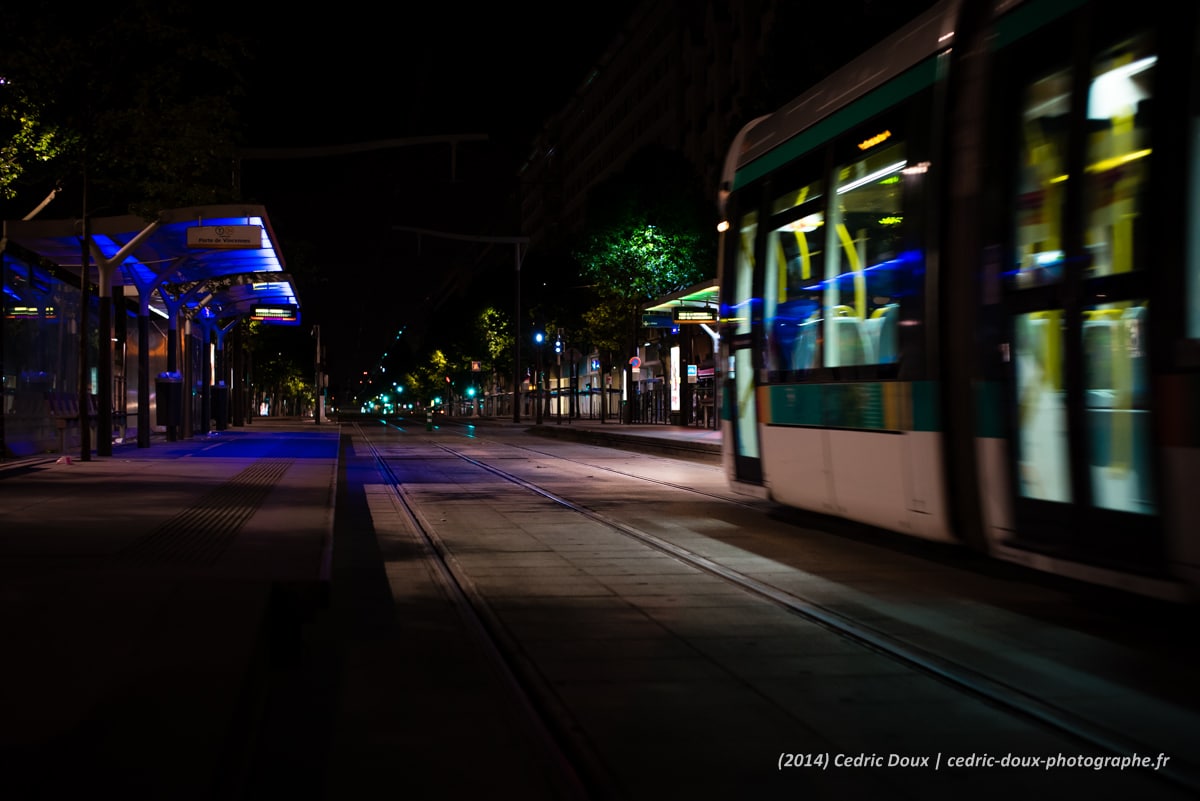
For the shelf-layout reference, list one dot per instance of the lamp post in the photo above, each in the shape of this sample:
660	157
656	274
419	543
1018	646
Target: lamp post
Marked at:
85	444
319	398
558	351
538	338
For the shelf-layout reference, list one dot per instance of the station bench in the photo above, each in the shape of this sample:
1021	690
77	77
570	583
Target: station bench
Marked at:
63	409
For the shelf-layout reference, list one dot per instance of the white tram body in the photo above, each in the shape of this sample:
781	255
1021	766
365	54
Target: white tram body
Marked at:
960	290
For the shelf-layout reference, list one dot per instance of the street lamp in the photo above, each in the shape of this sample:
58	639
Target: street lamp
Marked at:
539	337
558	352
318	388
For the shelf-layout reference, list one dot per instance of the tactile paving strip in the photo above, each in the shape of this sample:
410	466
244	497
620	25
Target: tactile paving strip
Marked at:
203	531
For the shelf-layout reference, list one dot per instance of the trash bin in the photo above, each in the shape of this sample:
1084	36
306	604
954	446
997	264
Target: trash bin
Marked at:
220	405
168	388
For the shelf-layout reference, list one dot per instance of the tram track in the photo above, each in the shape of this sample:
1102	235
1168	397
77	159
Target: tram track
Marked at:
999	693
563	752
995	692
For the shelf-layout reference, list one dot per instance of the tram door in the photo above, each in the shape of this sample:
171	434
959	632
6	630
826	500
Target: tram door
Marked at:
1078	309
740	396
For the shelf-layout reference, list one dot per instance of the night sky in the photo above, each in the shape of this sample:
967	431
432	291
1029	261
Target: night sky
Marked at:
327	79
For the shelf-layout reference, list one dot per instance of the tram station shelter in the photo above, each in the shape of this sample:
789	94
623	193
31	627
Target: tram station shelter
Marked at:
674	371
114	326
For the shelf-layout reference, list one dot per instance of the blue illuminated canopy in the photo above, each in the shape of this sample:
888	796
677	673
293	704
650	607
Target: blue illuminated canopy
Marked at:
155	255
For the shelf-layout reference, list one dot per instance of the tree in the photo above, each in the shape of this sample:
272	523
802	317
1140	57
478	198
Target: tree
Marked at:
652	233
495	331
281	356
25	138
429	381
124	96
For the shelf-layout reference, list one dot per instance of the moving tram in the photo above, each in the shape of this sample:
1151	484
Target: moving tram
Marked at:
960	290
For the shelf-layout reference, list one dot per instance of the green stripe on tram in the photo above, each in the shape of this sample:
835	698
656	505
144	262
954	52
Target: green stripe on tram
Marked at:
894	91
1029	17
866	406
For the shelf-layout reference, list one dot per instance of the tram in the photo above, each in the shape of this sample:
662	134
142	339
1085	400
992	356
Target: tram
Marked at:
960	290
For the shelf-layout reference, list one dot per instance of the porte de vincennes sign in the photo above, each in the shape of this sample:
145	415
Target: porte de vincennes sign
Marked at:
224	236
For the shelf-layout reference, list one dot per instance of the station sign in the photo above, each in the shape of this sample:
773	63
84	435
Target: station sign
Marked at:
280	314
693	315
657	320
22	312
224	236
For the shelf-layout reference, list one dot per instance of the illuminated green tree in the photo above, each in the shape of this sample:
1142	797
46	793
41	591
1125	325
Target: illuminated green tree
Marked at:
428	381
639	260
494	329
652	233
25	138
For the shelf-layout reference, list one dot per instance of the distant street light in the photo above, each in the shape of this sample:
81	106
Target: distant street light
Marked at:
539	337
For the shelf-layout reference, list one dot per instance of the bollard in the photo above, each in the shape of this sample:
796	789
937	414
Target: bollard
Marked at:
429	419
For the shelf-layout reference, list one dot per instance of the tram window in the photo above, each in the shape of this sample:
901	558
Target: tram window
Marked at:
1115	175
1116	379
1042	450
791	293
835	270
743	287
866	268
806	193
1042	180
793	270
1114	186
739	306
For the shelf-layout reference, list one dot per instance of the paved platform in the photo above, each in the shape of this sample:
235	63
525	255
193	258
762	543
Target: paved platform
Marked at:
153	601
142	595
